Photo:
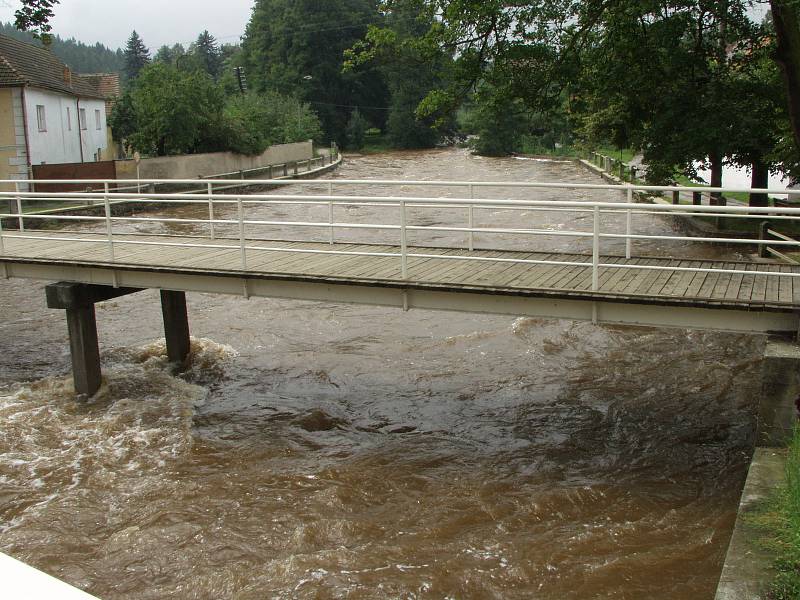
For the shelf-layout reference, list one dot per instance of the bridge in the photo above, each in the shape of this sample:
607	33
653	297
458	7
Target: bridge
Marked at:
473	250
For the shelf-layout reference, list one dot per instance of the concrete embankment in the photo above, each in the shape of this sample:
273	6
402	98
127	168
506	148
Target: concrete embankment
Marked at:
119	207
747	571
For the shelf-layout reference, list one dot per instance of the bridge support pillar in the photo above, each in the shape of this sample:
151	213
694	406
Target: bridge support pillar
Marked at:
78	300
84	349
176	325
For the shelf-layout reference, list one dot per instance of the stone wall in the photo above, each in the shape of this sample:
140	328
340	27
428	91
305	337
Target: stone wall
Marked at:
192	166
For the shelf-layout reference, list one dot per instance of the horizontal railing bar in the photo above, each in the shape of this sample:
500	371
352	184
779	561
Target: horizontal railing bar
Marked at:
420	183
410	201
671	238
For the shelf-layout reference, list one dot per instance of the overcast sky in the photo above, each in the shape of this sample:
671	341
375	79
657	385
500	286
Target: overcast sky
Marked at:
159	22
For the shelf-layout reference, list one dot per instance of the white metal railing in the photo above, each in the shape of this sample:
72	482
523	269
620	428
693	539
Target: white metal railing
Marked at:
243	214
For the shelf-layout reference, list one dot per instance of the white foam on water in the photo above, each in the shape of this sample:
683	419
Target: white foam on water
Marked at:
52	447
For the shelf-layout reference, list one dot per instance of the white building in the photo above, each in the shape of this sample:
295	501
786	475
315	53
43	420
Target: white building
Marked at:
48	115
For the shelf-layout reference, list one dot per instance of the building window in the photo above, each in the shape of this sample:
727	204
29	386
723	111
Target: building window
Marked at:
97	121
40	118
82	118
69	120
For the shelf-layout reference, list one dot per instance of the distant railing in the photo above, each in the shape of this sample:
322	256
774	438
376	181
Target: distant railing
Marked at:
236	213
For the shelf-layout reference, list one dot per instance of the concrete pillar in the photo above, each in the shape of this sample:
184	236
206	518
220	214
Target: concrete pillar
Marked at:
84	350
176	325
780	390
78	299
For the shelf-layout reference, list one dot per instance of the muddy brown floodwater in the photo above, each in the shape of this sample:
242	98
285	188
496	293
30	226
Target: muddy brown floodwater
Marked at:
326	451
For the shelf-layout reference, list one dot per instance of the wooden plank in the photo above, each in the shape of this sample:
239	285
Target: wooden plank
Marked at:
638	277
785	286
759	286
584	283
558	276
619	275
534	278
458	270
748	282
721	287
680	280
697	282
732	293
295	262
618	286
773	284
650	277
708	285
507	272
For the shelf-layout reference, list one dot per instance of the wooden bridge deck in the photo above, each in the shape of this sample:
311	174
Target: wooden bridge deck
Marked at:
648	286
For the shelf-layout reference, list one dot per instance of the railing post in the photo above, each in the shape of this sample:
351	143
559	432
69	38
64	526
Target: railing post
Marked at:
629	225
330	211
211	208
763	235
596	251
471	218
676	197
109	228
269	172
242	249
19	209
697	198
403	241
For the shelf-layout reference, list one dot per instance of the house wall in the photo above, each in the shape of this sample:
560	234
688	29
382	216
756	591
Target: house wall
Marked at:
13	152
63	141
191	166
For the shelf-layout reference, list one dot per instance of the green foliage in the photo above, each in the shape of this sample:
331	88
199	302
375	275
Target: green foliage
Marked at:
168	111
80	57
296	47
137	56
410	69
495	119
258	121
34	16
356	131
779	518
208	53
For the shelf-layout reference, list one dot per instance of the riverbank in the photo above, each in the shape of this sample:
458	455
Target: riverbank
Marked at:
122	207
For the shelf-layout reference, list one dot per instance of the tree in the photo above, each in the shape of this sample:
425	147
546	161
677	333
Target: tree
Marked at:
167	111
296	47
786	17
356	130
137	56
34	16
261	120
208	54
411	71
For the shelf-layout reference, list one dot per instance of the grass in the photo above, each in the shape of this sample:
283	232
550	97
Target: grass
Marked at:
779	520
623	154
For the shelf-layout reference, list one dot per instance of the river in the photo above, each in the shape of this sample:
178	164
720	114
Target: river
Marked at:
326	451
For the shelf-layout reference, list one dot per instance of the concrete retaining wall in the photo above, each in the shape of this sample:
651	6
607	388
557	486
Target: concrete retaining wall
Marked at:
191	166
